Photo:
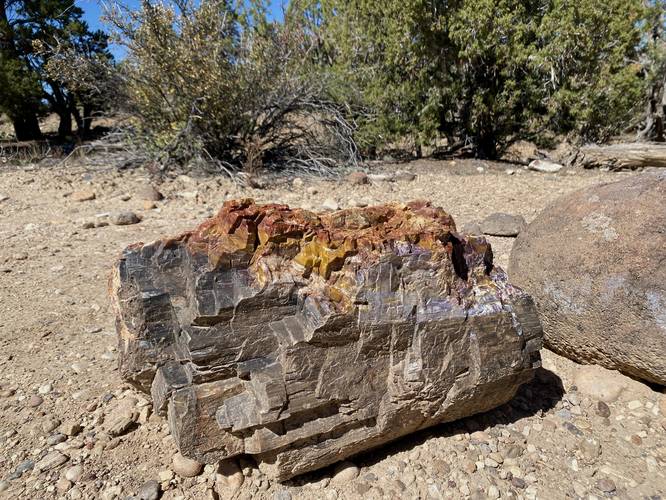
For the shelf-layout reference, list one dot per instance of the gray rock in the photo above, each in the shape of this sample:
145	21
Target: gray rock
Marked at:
51	461
124	218
404	176
545	166
150	490
56	439
22	468
605	485
501	224
4	485
594	261
472	228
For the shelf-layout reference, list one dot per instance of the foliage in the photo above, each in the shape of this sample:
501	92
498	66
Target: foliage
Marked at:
219	80
483	73
32	32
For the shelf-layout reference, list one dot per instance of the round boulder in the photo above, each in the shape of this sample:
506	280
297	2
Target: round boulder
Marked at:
595	263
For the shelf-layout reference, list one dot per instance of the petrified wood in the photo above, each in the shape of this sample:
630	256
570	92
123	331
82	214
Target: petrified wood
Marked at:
302	339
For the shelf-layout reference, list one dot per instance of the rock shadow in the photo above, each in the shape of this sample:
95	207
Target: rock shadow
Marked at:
533	398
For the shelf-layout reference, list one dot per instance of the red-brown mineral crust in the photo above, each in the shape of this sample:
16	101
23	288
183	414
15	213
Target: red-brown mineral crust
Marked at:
302	338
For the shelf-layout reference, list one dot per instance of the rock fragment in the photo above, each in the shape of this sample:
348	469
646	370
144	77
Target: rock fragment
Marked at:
51	461
501	224
83	195
186	467
545	166
126	218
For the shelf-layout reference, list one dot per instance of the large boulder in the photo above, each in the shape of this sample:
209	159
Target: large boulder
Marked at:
302	339
595	263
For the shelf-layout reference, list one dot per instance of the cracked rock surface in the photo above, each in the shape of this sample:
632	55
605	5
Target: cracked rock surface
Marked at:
303	338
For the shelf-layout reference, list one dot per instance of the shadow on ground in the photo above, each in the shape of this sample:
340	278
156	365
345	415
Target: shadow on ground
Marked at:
534	398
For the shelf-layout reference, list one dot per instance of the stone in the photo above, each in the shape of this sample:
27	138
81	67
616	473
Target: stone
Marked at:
501	224
590	449
404	176
602	409
4	485
186	467
358	178
74	473
303	339
473	228
51	461
330	204
662	405
57	438
111	493
22	468
150	490
229	478
149	193
45	389
126	218
70	428
605	485
594	262
83	195
3	197
343	473
35	401
545	166
121	418
63	485
50	424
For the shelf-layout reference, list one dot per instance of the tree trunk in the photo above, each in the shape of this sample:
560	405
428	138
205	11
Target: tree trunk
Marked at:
88	111
65	126
26	127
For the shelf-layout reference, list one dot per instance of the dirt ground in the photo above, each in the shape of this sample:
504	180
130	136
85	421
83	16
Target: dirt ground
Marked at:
59	381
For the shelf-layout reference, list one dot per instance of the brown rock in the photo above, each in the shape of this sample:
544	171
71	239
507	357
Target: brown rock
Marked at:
149	193
303	339
594	261
358	178
83	195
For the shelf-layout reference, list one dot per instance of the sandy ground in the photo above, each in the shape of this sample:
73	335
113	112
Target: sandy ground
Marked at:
58	361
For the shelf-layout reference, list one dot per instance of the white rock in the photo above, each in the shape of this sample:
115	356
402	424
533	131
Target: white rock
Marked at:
330	204
545	166
74	473
344	472
186	467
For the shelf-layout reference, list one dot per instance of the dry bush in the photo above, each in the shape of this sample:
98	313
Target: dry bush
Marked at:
206	80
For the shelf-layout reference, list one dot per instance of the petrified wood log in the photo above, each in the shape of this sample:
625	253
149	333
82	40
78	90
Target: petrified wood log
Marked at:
302	339
622	156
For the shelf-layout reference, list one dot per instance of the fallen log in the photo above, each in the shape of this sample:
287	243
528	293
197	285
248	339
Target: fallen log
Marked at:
302	339
622	156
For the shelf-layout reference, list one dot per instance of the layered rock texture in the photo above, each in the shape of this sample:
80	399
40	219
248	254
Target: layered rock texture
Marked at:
302	339
595	262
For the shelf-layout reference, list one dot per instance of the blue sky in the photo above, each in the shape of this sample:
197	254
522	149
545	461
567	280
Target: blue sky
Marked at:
93	10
